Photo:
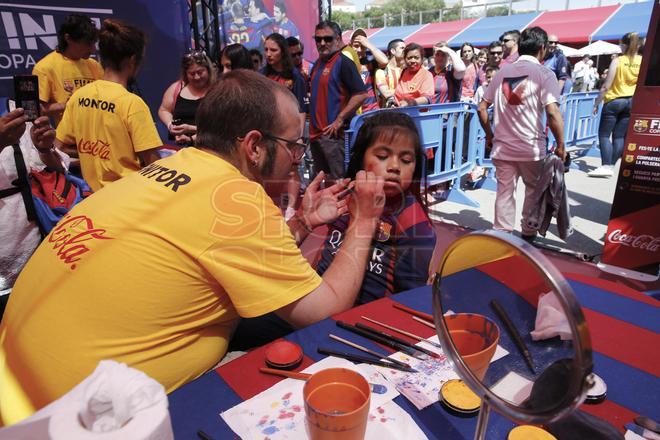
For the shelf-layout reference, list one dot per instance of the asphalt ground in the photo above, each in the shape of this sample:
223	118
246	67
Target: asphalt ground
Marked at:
590	200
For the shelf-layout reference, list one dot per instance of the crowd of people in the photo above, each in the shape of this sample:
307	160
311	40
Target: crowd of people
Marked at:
126	276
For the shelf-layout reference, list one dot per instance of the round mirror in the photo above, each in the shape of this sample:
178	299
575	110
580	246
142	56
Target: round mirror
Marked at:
510	324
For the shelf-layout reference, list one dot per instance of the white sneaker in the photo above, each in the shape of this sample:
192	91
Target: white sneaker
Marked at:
602	171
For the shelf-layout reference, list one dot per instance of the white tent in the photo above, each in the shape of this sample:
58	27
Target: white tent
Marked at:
569	51
600	48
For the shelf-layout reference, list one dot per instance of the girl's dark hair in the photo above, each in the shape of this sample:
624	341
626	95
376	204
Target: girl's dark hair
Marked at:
197	57
238	55
78	28
118	42
287	63
387	124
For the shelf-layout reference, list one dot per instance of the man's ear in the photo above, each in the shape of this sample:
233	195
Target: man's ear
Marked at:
252	146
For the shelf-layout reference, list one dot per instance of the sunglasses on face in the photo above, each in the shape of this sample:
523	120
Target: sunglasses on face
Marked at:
553	42
296	54
327	39
496	53
296	147
506	40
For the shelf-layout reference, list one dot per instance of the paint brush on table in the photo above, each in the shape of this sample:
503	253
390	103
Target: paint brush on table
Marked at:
413	312
403	332
399	341
385	341
366	350
513	332
424	321
375	387
364	359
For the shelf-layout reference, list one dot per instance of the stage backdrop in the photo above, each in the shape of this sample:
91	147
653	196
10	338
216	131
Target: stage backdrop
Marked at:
633	232
28	31
248	22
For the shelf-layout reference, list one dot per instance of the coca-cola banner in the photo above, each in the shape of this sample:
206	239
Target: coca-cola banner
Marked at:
633	232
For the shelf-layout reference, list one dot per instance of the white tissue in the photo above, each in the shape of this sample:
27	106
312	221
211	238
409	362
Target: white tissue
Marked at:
550	319
115	402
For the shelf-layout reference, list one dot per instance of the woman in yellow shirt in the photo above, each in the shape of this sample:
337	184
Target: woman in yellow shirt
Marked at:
617	91
111	128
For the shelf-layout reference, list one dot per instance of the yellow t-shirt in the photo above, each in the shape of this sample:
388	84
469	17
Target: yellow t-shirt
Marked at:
153	271
109	125
59	76
625	77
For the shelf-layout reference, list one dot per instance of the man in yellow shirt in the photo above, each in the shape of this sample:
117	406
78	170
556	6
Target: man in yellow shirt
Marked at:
68	68
156	269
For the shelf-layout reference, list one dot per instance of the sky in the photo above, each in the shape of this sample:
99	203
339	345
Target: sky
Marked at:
551	5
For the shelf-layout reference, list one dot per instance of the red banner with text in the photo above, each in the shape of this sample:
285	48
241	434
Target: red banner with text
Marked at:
633	232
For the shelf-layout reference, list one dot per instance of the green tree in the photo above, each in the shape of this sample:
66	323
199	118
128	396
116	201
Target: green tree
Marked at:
497	11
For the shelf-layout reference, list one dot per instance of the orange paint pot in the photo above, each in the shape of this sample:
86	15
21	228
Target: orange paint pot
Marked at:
336	405
475	338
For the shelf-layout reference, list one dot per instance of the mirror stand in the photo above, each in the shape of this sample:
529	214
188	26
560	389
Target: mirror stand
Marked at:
482	421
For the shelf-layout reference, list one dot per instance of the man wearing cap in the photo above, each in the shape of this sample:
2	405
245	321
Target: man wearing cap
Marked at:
556	61
337	91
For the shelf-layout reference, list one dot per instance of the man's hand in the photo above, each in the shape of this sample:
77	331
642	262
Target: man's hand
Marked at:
12	127
368	199
324	206
42	134
333	129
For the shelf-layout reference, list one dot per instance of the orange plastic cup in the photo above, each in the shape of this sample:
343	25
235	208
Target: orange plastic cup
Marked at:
336	405
475	338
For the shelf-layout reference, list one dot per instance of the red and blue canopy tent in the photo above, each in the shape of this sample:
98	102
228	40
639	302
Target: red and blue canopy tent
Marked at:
573	26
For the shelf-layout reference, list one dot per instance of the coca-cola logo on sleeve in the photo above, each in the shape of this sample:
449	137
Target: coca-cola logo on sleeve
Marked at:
72	237
643	242
95	148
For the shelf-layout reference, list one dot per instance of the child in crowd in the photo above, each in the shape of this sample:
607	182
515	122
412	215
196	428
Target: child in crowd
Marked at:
388	145
479	94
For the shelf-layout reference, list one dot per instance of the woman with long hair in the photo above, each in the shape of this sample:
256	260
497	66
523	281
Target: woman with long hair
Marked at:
617	92
235	56
182	97
279	67
470	80
111	129
415	85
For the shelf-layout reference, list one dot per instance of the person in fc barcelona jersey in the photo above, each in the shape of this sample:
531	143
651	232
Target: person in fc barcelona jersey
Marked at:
70	67
371	58
337	91
283	24
297	50
112	129
259	25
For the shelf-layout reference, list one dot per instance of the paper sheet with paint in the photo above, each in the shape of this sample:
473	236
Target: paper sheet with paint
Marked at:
279	412
423	388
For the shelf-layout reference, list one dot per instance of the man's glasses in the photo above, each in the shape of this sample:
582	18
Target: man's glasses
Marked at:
327	39
506	40
553	42
296	148
496	53
296	54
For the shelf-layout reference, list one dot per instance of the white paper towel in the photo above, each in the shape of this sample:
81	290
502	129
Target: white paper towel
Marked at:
122	401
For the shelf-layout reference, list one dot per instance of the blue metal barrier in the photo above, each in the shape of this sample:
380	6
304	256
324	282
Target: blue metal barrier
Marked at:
580	123
442	129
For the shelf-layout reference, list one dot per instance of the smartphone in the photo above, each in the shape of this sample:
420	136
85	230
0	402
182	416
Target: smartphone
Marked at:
26	94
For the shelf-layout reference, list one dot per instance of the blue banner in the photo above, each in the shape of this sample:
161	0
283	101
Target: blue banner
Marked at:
28	32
